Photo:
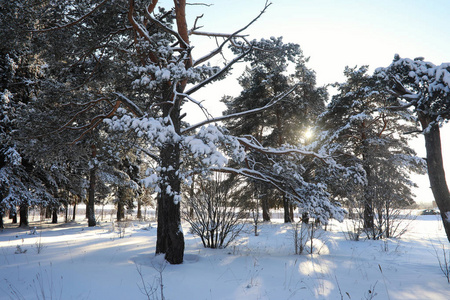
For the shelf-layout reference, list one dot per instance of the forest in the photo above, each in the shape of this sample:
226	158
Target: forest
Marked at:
93	117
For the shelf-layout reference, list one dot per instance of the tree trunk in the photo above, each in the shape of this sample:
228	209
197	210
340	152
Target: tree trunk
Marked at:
436	172
74	214
265	209
170	239
120	210
66	212
23	211
139	209
13	216
55	215
368	215
1	220
48	212
291	212
91	201
287	217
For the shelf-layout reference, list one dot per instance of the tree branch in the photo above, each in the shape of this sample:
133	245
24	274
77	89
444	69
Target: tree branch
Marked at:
271	103
231	36
218	74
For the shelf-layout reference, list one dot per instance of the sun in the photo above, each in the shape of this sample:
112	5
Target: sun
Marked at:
308	133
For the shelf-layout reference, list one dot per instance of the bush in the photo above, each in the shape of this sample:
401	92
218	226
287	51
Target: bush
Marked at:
214	214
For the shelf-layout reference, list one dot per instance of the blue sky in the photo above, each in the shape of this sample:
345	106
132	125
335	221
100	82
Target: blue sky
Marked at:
335	34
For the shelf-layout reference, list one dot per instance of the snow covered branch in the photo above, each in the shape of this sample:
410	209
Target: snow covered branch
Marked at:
248	144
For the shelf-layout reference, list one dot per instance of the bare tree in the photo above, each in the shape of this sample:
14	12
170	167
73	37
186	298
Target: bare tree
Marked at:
217	215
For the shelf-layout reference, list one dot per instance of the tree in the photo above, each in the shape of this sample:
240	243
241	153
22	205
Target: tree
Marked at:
148	58
267	76
19	74
359	129
424	90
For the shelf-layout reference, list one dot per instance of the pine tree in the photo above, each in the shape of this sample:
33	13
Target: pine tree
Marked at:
359	129
424	90
126	69
266	76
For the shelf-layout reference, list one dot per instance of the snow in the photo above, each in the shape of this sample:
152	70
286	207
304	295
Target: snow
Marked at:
77	262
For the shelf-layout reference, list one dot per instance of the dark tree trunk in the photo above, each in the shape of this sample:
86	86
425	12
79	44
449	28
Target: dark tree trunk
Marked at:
436	172
48	212
13	216
74	214
120	210
287	216
55	215
368	215
170	238
265	209
1	220
291	212
23	211
66	212
139	209
91	201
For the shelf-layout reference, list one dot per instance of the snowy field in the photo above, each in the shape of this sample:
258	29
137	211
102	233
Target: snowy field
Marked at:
72	261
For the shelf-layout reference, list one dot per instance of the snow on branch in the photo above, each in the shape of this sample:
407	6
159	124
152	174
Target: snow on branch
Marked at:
248	144
130	105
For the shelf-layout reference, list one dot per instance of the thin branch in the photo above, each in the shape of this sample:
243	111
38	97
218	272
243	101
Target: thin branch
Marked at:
218	74
130	105
271	103
230	37
215	34
166	29
151	155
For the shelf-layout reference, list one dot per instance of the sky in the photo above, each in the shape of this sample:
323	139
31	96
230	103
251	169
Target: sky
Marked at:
334	34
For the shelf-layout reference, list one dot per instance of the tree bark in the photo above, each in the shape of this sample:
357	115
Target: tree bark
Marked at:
23	211
368	215
287	216
91	201
1	220
170	239
54	215
436	172
139	209
66	212
120	210
74	213
13	216
265	209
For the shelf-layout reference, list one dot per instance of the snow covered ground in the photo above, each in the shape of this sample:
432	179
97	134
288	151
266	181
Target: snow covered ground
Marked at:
72	261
